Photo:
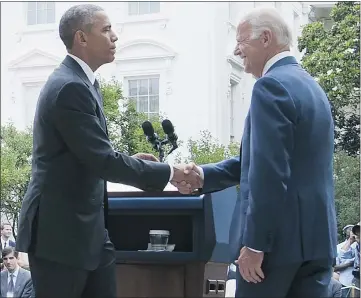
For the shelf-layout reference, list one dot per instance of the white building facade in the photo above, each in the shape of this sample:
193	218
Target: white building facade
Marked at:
174	58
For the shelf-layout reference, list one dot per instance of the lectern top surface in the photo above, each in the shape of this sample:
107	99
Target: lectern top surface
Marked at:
116	187
121	190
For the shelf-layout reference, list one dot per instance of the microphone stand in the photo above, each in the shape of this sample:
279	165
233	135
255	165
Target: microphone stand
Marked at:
158	146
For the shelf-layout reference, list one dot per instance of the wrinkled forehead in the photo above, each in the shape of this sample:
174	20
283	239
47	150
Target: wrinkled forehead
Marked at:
243	30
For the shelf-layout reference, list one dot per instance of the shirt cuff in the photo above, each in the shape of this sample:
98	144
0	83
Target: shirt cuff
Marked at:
171	172
258	251
201	173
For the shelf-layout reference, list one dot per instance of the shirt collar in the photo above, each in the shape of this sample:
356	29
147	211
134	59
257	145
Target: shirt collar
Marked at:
85	67
15	273
275	59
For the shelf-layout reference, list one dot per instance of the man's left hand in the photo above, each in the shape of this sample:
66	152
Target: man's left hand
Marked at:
146	156
249	263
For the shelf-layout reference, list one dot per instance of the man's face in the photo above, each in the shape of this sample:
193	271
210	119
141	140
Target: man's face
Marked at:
252	51
10	262
348	231
6	232
100	40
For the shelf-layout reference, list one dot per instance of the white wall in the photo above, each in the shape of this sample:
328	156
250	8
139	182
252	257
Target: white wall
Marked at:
189	44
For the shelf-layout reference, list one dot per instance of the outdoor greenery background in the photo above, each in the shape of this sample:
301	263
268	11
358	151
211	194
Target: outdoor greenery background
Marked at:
331	56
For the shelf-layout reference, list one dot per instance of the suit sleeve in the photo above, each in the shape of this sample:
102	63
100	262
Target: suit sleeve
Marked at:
74	113
28	289
221	175
273	118
338	290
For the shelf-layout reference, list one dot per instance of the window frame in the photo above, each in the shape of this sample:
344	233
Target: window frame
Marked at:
149	11
128	79
36	11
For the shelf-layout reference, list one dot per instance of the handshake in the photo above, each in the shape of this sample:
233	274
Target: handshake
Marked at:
186	177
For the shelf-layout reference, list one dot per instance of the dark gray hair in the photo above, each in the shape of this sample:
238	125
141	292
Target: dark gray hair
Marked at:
8	250
78	17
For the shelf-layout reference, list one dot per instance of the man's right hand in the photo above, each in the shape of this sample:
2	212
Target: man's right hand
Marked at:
187	178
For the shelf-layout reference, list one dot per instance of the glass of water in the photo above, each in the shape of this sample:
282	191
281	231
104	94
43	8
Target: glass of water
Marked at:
158	239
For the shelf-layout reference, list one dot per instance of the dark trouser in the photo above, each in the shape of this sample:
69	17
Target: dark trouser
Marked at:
298	280
55	280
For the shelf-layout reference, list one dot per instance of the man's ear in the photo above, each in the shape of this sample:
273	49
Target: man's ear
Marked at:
80	38
266	37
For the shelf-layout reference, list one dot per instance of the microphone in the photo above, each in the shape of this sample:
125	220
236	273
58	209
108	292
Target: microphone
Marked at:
168	129
150	134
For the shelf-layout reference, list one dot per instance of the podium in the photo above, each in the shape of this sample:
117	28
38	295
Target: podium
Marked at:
199	229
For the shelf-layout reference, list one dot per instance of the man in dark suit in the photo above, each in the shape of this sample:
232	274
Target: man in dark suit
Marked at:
15	281
61	223
6	232
285	237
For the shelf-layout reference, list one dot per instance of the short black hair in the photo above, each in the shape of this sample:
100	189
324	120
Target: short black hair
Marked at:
8	250
78	17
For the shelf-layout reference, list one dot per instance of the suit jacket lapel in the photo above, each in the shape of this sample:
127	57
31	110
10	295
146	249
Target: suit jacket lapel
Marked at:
100	104
71	63
19	282
4	283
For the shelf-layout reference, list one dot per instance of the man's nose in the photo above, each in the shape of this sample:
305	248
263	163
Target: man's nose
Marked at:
237	51
114	37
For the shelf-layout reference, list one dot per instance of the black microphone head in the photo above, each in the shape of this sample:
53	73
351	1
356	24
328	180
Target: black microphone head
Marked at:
168	127
148	129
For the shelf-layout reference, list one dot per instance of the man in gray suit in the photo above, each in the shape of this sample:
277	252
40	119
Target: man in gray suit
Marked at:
334	288
15	281
62	225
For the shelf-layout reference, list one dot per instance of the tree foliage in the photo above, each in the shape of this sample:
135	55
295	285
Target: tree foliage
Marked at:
125	123
16	151
207	149
333	58
347	189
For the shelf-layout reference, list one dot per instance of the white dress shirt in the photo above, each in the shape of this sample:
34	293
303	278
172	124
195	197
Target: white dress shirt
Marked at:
275	59
90	74
267	66
3	242
15	275
85	67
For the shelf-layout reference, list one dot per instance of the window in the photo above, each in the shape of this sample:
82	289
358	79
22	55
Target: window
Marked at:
145	93
140	8
40	13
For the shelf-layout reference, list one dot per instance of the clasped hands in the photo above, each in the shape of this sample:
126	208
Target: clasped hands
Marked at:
186	177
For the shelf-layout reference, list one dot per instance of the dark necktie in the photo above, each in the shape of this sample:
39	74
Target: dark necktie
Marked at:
4	244
97	88
11	283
